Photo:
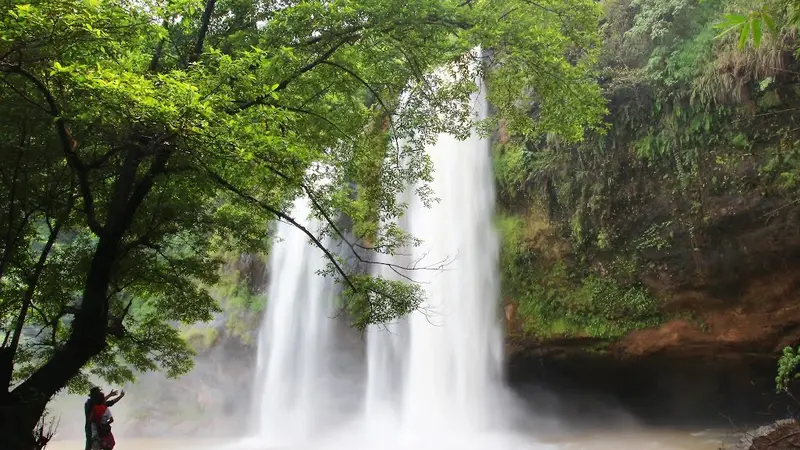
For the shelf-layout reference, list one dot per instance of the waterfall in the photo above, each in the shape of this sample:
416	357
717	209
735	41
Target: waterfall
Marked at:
452	363
302	352
433	379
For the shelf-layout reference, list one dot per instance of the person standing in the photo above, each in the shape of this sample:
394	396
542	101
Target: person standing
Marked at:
97	397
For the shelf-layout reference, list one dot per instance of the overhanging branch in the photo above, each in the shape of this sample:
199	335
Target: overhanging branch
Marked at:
285	217
299	72
378	98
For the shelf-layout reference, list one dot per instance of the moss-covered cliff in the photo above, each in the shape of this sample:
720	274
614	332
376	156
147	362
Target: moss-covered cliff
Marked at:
677	229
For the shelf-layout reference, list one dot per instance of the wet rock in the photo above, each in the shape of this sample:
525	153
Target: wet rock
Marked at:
781	435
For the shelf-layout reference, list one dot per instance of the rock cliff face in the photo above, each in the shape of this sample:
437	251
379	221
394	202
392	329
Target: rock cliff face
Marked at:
734	293
731	303
660	262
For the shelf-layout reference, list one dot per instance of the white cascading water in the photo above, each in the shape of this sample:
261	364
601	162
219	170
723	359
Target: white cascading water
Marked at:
299	369
433	379
451	366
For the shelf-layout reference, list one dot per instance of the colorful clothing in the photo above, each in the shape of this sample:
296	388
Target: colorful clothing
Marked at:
100	419
87	408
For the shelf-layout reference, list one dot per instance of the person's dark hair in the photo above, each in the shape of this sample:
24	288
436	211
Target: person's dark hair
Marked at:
96	397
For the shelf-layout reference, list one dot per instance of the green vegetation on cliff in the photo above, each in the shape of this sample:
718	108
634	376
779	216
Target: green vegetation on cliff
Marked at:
701	130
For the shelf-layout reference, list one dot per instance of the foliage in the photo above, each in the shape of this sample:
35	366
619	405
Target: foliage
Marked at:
694	122
557	300
240	291
787	368
145	139
752	22
200	339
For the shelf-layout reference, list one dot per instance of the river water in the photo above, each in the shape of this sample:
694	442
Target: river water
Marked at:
611	440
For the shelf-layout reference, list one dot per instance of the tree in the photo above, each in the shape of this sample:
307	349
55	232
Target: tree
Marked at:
144	137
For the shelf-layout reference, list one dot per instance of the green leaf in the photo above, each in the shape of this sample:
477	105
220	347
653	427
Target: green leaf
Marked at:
756	26
743	35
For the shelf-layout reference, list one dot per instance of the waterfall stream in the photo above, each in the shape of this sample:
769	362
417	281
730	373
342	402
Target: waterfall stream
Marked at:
433	379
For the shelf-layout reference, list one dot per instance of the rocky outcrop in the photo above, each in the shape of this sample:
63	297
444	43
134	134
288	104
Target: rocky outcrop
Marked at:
781	435
731	301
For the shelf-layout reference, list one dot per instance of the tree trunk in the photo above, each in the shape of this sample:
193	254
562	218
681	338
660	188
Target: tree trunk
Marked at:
23	407
14	426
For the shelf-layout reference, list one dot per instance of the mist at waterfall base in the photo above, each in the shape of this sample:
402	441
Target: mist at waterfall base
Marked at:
433	379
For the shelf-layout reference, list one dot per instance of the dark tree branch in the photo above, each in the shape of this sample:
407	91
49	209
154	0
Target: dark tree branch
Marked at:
543	8
285	217
123	186
389	113
105	157
313	114
201	34
116	325
25	96
10	235
396	268
144	186
7	255
33	280
159	49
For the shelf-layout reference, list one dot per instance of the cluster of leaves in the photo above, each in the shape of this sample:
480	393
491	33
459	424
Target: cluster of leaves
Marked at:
787	368
752	21
240	291
143	139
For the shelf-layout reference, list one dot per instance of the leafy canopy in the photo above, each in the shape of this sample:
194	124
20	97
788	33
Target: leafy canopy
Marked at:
144	138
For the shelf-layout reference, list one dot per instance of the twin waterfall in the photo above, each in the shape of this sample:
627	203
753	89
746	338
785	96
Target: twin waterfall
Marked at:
431	380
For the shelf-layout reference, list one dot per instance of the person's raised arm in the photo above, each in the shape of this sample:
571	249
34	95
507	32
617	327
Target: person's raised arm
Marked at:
114	401
111	394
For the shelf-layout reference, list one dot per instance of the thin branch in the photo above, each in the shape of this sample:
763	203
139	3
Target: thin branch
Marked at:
389	113
313	114
543	8
10	235
25	96
782	438
317	95
250	199
33	279
159	49
341	235
299	72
